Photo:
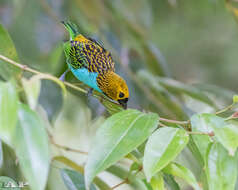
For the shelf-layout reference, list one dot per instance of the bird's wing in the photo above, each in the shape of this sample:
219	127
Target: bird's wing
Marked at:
91	55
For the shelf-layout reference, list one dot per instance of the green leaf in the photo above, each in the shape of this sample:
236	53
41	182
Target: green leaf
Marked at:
111	107
99	183
157	182
177	87
7	49
1	154
155	60
8	183
170	182
182	172
119	135
162	147
221	169
8	111
199	124
135	166
169	104
220	94
31	147
32	90
9	167
74	180
226	133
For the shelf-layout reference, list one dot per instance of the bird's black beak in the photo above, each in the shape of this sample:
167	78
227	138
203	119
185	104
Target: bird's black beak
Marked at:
123	103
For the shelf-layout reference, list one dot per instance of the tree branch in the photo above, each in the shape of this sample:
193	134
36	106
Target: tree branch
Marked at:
26	68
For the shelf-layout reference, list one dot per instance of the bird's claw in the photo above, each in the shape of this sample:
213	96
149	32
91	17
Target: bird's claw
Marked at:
90	92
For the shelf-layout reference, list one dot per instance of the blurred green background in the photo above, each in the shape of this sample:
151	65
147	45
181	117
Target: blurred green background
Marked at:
194	42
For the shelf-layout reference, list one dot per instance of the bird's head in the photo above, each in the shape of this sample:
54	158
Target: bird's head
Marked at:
114	87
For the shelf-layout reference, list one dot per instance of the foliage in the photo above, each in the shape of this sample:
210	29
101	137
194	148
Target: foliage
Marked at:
174	136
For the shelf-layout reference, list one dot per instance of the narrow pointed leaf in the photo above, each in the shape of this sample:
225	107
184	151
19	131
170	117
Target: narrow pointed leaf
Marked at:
221	168
118	136
166	101
74	180
162	147
177	87
8	50
182	172
8	111
31	147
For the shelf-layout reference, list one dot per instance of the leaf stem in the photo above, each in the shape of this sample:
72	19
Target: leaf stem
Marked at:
233	116
211	134
174	121
126	181
69	149
119	184
225	109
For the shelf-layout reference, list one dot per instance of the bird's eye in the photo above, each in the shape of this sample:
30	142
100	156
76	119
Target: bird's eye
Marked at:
121	95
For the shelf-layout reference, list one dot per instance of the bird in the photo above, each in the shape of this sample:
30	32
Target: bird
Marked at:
93	65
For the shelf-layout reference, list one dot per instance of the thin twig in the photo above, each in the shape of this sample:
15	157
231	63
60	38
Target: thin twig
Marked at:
23	67
123	182
174	121
26	68
225	109
211	134
69	149
126	181
162	125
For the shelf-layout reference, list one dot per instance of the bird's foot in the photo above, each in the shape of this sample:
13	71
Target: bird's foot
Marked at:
90	92
62	77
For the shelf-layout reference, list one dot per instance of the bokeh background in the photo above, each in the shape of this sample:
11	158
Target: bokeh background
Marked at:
178	57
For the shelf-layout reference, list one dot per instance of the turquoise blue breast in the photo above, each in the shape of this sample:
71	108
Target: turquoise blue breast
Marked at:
86	77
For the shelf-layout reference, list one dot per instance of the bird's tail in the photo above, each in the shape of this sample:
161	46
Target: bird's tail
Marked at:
72	28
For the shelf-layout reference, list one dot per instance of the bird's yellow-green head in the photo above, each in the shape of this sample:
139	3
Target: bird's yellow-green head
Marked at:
114	87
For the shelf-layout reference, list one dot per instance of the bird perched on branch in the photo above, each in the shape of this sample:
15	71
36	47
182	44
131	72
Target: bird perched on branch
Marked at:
92	64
